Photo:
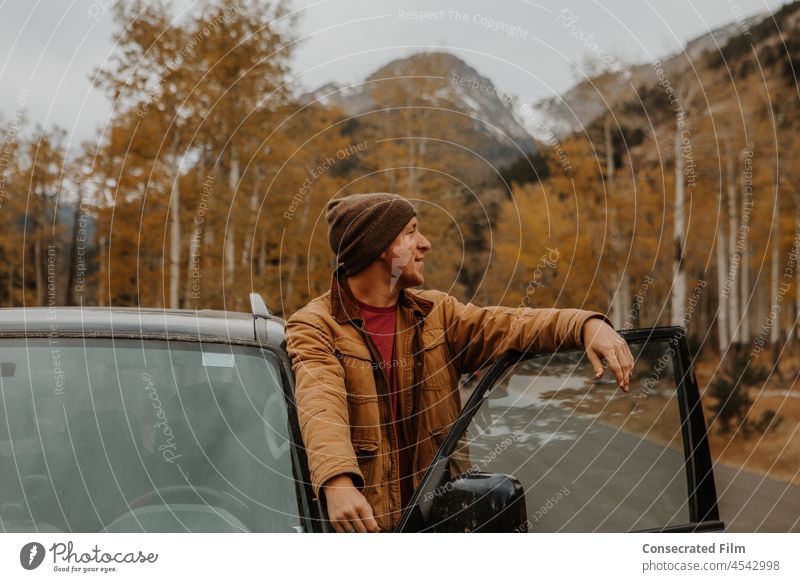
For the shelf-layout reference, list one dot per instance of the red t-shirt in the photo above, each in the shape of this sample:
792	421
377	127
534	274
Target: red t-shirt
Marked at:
380	324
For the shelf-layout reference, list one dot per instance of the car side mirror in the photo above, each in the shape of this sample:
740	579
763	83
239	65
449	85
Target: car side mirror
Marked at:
473	502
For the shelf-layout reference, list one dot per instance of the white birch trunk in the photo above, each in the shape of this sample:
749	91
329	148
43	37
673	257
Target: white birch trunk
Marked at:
618	301
102	287
744	265
735	257
248	243
295	263
722	296
230	249
775	273
797	268
262	257
678	302
626	291
38	260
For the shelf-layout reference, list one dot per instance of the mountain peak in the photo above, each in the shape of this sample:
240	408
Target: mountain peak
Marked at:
439	79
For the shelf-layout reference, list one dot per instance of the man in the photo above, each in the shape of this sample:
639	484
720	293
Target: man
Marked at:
377	364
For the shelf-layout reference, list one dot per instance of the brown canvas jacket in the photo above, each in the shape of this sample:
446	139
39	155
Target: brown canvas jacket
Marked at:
342	388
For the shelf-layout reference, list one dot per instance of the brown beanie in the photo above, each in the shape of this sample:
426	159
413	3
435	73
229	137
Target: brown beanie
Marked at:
361	226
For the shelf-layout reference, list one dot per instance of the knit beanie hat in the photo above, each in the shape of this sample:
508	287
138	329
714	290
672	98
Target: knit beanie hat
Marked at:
361	226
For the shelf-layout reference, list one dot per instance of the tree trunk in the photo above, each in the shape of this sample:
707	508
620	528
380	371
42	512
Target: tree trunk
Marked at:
619	303
412	157
678	302
248	243
795	243
744	266
722	271
7	301
73	252
38	262
192	260
774	332
230	249
101	269
197	239
734	262
294	265
626	291
262	257
10	266
175	239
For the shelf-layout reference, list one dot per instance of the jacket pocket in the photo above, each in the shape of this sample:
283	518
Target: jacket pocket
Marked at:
365	419
367	458
356	361
436	374
363	407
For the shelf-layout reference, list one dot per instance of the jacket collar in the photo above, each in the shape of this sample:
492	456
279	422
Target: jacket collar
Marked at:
344	306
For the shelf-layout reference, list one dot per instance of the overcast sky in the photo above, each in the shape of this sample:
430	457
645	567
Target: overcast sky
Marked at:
50	48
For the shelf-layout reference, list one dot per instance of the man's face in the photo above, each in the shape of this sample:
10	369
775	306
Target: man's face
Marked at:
404	256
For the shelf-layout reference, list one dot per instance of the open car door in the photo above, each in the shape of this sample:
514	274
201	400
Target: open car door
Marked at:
548	448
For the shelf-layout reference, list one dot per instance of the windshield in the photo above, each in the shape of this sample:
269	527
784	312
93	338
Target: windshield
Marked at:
142	435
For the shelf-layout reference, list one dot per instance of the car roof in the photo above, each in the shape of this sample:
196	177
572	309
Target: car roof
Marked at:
206	324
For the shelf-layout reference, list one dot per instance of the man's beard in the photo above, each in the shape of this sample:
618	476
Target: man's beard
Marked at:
402	257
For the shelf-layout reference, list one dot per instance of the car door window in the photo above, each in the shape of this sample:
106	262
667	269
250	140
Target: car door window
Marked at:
589	456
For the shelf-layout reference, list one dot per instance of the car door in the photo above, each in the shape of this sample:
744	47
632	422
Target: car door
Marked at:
587	456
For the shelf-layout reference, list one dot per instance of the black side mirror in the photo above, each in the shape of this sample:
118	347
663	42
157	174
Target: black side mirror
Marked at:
473	502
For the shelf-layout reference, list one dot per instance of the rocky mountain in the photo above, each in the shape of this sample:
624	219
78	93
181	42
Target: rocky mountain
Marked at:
439	80
578	107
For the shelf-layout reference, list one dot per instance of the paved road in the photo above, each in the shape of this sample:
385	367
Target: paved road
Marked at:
749	502
616	481
609	480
